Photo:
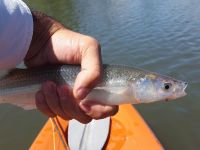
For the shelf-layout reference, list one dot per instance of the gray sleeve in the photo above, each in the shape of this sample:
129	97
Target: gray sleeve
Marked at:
16	28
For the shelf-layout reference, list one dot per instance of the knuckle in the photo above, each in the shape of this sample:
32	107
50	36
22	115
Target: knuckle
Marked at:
92	42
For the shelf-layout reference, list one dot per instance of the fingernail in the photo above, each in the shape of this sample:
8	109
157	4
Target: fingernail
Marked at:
82	93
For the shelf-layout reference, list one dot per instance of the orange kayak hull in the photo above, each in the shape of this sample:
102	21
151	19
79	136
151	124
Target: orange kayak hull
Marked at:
128	131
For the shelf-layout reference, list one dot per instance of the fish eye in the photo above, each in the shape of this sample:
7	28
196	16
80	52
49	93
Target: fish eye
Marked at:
167	86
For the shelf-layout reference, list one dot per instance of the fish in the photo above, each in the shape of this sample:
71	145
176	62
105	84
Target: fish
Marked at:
119	85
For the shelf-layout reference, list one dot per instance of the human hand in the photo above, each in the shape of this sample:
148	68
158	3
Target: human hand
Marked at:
54	44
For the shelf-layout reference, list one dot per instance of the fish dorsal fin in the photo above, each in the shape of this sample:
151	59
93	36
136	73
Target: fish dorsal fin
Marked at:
91	136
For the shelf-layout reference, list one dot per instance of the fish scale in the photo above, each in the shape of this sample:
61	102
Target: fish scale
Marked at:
120	84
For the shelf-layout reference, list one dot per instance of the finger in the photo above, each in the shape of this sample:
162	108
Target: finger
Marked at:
70	106
42	105
98	111
90	69
52	99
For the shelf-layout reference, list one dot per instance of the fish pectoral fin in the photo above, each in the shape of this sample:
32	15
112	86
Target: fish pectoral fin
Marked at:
109	97
129	97
101	96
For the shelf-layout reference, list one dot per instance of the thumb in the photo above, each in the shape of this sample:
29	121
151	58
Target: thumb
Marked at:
85	82
90	73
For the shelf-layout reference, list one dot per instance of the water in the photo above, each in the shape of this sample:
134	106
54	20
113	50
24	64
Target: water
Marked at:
161	36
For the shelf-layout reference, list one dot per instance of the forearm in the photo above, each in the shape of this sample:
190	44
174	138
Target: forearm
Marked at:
44	28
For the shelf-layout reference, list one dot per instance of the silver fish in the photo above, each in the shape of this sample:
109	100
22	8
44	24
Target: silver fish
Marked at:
119	85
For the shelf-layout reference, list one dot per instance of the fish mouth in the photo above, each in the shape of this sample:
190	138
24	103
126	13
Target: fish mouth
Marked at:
182	89
185	84
180	92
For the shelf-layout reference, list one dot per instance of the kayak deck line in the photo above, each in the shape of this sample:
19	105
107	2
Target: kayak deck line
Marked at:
55	128
128	131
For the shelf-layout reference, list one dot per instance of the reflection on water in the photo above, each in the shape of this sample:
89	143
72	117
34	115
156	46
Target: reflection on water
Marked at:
162	36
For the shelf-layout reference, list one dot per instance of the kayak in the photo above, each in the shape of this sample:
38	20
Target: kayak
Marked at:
128	131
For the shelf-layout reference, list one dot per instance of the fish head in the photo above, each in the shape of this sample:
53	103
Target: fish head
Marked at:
157	88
